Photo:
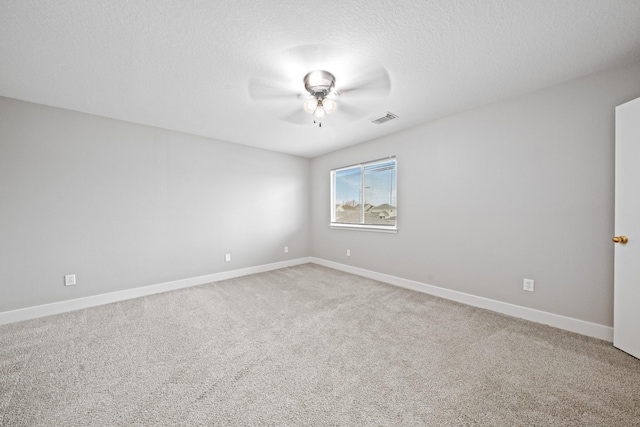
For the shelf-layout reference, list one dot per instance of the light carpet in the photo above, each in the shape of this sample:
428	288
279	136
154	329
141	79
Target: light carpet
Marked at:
307	345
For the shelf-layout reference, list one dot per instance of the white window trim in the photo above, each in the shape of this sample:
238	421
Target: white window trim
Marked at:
358	227
363	227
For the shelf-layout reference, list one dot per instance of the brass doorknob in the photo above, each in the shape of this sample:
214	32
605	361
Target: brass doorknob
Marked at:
620	239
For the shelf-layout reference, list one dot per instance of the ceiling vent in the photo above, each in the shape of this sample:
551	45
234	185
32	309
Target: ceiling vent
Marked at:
387	116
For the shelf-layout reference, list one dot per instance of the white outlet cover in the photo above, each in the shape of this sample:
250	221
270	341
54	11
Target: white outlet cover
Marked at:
286	249
227	257
69	279
528	285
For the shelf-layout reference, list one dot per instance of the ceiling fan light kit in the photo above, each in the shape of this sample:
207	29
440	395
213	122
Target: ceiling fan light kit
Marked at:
319	84
329	105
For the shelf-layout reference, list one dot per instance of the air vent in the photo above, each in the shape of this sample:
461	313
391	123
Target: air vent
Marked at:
388	116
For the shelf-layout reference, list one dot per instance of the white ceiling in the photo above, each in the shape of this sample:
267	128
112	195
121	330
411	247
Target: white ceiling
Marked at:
188	65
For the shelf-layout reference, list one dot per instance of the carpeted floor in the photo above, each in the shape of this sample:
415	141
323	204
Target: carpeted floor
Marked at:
307	345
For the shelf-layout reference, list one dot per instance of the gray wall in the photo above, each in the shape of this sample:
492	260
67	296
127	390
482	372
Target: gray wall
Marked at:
124	205
519	189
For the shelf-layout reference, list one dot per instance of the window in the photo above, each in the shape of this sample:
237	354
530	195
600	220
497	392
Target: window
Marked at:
364	196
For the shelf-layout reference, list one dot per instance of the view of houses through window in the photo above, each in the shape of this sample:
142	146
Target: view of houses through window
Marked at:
365	194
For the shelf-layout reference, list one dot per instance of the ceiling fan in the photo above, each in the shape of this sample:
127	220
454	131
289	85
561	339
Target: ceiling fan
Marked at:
315	92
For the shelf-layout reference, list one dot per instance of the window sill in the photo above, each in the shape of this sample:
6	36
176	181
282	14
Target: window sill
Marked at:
358	227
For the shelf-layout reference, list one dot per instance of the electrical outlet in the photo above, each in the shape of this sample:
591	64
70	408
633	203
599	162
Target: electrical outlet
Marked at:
227	257
348	252
286	249
528	285
70	280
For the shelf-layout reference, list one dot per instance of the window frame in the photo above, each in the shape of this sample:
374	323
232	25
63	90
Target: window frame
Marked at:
361	227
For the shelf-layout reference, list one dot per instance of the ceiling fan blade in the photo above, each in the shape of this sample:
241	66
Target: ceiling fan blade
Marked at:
374	83
261	89
312	56
298	117
352	112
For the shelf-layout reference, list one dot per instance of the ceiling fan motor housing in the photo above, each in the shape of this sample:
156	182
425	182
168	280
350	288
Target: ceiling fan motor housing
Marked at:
319	83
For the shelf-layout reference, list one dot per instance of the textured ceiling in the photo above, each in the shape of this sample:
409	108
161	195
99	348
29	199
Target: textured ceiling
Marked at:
189	65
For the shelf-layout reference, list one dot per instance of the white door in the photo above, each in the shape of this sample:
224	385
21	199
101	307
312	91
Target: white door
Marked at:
626	316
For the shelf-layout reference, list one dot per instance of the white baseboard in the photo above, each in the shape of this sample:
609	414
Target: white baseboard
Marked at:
567	323
92	301
562	322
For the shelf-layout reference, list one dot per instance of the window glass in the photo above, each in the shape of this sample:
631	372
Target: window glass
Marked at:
380	193
364	195
348	183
